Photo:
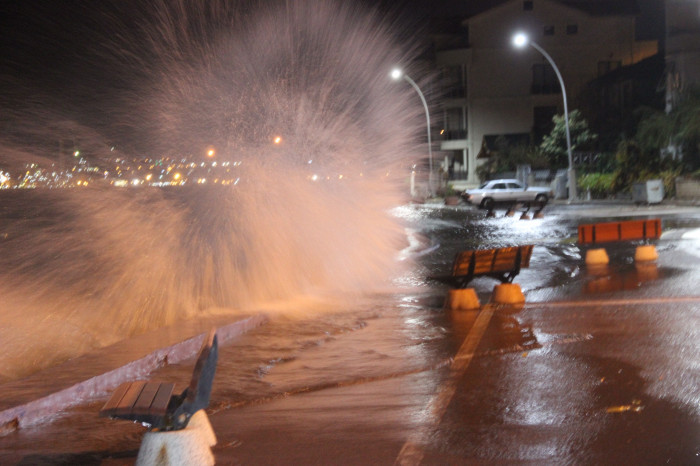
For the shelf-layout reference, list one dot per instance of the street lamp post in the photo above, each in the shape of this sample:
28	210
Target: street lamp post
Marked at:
397	74
520	40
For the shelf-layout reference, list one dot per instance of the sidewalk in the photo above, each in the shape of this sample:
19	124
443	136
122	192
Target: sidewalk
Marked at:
28	401
602	207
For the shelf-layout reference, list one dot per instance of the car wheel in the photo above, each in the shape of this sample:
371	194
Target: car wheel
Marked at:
541	199
487	203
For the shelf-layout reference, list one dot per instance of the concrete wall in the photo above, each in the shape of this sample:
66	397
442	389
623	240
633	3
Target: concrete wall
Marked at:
687	189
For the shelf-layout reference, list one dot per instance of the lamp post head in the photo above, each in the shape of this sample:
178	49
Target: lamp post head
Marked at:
396	74
520	40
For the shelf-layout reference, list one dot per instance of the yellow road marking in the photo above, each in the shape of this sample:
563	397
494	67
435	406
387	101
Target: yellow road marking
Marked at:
412	453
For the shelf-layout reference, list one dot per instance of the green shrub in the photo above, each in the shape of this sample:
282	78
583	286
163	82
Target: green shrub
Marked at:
599	184
447	191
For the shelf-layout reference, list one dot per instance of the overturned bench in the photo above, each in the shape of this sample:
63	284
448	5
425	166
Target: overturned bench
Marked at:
503	264
153	403
178	426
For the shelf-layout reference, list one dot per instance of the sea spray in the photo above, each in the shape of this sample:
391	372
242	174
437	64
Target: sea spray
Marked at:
296	94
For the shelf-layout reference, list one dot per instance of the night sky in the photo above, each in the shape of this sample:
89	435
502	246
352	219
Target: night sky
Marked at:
57	53
48	34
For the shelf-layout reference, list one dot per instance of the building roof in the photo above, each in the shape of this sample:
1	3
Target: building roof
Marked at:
604	7
592	7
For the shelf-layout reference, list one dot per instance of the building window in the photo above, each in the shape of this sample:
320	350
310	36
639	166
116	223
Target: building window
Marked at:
455	124
542	122
527	5
544	79
453	81
572	29
549	30
606	66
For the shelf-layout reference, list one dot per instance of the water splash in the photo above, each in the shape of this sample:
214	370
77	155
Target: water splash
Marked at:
84	268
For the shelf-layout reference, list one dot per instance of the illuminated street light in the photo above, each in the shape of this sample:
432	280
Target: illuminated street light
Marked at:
210	152
397	74
277	140
520	40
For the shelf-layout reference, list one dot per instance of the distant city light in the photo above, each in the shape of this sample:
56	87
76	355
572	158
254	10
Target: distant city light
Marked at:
123	172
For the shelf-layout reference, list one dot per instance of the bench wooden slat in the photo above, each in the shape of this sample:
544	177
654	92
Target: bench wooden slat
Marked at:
619	231
502	263
161	399
131	395
526	255
145	399
484	261
461	263
116	397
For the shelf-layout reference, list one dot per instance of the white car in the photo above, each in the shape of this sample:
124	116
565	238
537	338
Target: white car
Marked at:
506	191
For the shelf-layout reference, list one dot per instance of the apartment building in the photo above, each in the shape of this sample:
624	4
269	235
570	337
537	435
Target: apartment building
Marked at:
682	48
493	88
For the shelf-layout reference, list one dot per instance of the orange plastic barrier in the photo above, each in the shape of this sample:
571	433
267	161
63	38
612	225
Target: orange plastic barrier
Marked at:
619	231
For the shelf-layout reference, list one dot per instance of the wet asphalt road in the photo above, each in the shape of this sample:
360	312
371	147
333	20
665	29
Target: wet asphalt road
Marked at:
598	367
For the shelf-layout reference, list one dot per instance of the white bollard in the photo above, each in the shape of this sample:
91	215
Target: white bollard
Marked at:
189	446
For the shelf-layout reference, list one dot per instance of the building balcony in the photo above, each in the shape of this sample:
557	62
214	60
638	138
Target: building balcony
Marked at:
453	134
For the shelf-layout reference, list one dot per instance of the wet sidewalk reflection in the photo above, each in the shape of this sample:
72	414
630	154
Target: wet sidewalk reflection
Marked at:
607	279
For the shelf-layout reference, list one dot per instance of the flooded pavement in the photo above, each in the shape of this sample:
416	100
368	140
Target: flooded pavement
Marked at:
598	367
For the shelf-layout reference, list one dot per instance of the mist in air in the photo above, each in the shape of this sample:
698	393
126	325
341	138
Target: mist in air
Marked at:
308	216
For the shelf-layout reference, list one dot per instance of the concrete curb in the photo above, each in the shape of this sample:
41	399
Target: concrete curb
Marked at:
43	407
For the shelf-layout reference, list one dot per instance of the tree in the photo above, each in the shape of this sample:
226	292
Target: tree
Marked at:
685	118
656	130
554	144
507	156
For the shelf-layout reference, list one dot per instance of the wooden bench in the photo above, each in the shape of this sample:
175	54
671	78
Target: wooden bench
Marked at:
619	231
153	403
503	264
